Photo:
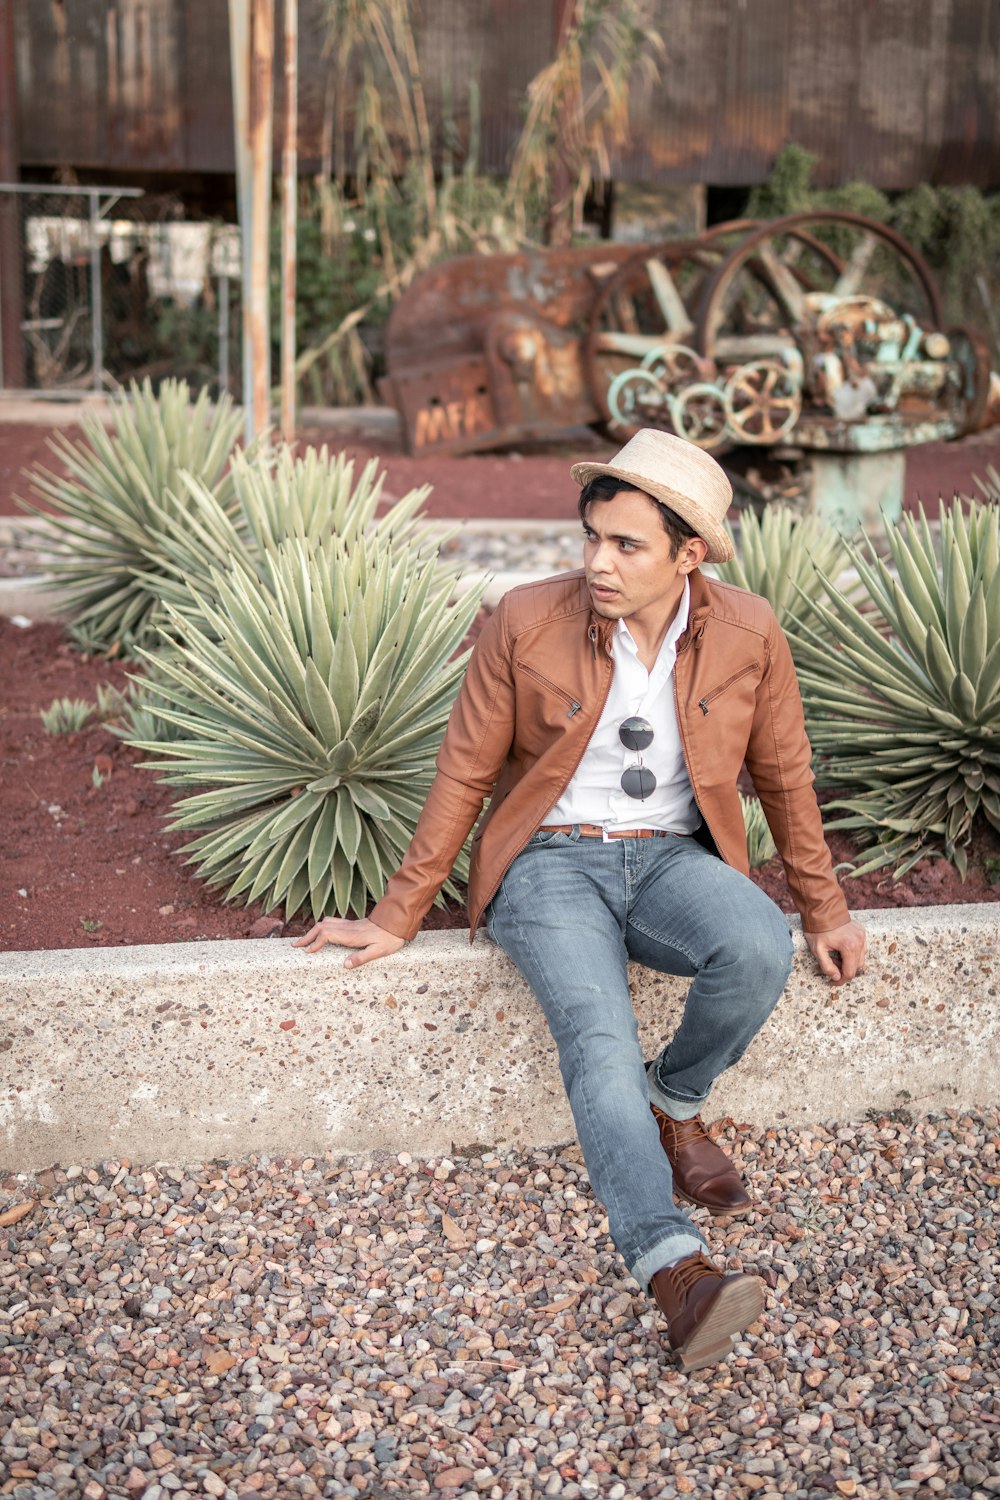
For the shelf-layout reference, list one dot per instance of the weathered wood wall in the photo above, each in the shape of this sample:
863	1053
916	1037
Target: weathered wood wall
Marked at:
893	91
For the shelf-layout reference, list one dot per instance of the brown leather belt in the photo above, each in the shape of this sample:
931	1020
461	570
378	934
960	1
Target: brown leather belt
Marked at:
594	831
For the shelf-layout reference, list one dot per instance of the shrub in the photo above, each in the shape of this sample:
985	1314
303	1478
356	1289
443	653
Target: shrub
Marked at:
103	555
112	704
69	715
906	707
66	715
308	705
760	844
136	721
272	497
785	557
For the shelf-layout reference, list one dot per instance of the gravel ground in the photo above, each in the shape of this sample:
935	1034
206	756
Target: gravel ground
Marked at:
506	548
501	546
393	1326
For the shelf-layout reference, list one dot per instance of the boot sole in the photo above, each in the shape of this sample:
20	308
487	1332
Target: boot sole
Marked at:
713	1208
737	1305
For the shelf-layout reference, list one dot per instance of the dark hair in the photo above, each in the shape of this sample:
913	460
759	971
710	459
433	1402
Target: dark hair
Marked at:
607	486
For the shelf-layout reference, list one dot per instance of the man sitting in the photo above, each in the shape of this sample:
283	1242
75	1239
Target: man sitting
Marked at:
606	715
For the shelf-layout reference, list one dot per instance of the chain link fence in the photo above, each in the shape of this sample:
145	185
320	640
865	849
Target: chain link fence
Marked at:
102	285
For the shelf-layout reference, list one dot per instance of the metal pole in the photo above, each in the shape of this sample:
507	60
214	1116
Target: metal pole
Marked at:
261	117
223	333
289	194
96	302
11	253
239	55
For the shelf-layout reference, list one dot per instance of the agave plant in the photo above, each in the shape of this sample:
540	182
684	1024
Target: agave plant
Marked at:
907	706
274	496
66	715
786	558
271	497
138	723
760	843
308	705
120	484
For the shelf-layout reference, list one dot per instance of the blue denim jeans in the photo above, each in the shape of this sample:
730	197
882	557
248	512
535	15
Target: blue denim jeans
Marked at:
570	913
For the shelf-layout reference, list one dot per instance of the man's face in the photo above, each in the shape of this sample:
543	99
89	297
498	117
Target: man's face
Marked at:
626	557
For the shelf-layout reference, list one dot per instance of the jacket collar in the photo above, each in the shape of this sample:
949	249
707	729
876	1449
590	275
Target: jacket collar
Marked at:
701	594
601	630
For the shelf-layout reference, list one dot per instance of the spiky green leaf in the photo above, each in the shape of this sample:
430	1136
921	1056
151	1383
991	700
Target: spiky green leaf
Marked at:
925	652
306	773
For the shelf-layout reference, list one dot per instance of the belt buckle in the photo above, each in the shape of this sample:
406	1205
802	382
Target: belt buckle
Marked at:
605	835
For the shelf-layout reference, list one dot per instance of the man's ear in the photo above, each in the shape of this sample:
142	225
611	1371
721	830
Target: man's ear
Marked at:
692	554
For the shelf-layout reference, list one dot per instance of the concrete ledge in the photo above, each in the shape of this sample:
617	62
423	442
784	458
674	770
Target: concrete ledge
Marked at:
184	1052
53	408
190	1051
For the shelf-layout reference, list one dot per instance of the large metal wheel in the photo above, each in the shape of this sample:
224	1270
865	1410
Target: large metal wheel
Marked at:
652	304
699	414
763	402
644	315
674	365
757	297
636	398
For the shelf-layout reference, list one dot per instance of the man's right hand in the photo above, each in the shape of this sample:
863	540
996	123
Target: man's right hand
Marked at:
366	936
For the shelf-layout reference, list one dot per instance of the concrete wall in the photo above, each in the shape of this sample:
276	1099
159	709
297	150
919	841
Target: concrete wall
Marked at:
187	1052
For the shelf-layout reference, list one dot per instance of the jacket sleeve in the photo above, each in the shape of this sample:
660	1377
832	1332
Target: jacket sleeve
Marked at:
475	746
778	758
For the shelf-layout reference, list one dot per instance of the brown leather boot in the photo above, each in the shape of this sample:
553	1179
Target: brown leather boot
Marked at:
703	1173
705	1309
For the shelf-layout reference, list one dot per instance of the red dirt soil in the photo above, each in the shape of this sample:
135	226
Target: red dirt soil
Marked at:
532	485
91	866
84	865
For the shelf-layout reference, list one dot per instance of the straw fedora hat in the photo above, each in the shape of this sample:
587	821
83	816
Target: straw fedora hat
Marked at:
680	475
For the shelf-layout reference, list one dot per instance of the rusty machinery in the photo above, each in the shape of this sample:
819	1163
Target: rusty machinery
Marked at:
819	331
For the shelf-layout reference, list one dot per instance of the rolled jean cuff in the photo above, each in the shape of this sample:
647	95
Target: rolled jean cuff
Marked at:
677	1109
666	1253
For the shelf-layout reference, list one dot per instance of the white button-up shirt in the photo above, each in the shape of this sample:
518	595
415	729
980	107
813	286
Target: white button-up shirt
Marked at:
594	795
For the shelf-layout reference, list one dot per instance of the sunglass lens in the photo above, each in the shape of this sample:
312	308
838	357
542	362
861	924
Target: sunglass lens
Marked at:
639	782
635	734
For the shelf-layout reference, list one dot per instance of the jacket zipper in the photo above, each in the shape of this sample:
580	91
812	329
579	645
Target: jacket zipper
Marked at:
716	692
574	706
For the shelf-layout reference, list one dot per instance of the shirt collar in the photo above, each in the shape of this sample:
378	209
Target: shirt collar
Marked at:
675	629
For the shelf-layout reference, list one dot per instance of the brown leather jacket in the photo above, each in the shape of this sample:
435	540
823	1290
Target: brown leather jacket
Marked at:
533	691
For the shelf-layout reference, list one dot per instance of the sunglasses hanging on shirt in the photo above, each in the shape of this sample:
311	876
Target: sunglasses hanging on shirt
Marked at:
637	781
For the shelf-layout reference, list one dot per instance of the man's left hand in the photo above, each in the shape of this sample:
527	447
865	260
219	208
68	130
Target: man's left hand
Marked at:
841	952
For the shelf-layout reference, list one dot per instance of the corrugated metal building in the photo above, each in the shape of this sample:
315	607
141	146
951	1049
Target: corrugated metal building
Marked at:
892	91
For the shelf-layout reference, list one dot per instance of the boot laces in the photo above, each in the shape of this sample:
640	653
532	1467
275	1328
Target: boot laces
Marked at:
691	1271
686	1132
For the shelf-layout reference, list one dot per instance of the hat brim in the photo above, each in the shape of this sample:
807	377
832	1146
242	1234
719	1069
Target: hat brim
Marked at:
716	537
